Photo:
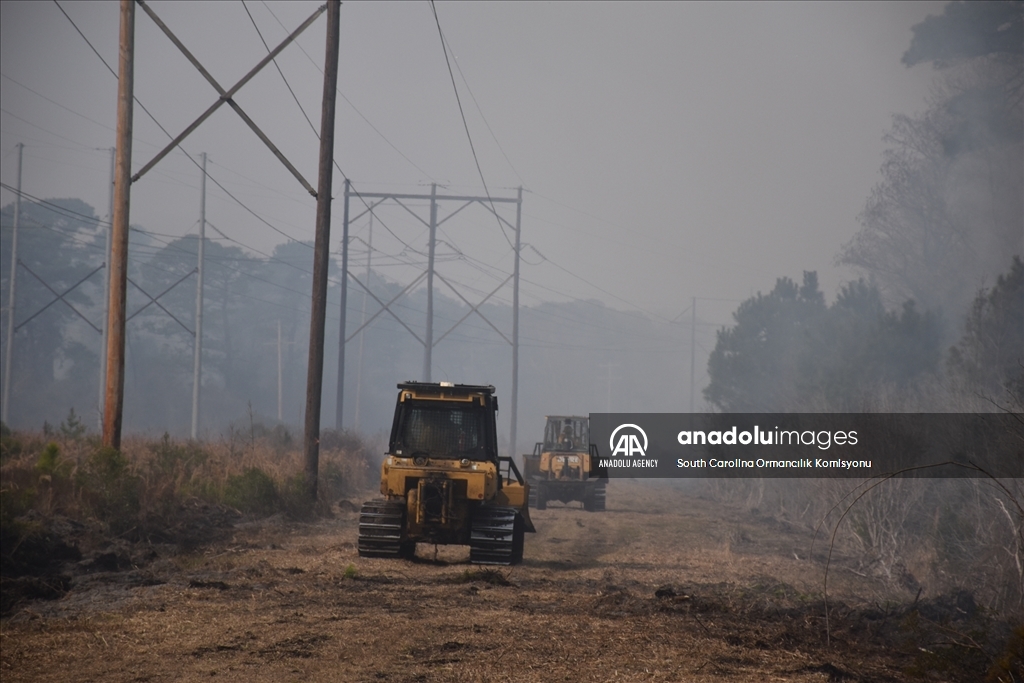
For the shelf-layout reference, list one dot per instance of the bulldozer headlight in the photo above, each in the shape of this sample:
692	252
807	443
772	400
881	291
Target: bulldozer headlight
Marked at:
464	462
420	460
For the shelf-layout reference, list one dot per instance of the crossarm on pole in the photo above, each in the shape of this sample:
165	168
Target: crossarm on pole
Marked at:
474	309
226	95
386	306
60	296
153	300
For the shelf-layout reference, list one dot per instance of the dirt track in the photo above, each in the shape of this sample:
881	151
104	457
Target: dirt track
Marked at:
664	586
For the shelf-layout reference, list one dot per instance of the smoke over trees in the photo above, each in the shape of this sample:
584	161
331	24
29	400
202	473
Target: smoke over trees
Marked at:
967	30
948	213
988	357
945	221
943	225
789	351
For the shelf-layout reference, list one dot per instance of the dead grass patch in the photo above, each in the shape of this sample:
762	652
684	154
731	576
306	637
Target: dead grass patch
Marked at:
625	595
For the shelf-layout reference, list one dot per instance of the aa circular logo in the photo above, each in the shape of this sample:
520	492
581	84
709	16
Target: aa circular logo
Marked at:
626	440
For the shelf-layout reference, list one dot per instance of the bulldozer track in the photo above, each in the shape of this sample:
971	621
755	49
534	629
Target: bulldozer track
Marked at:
380	529
496	536
538	496
596	497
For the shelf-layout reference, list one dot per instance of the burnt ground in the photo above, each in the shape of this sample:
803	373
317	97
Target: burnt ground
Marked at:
663	586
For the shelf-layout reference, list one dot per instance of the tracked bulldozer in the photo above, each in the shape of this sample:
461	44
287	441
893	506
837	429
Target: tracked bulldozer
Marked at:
443	481
564	466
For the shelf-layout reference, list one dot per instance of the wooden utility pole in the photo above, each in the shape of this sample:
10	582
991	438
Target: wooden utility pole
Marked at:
106	288
113	404
339	408
280	383
362	322
513	422
428	346
315	372
9	355
197	360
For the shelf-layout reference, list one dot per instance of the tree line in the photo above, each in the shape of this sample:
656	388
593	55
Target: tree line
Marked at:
575	356
940	299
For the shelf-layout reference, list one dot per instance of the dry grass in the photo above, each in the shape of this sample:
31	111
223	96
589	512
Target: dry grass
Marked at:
664	586
145	486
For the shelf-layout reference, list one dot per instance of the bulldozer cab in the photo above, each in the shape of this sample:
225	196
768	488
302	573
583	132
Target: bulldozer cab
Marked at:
436	421
567	433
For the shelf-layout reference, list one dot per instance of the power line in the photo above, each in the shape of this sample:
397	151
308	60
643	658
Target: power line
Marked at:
312	127
189	156
480	172
600	289
540	343
72	111
114	74
69	213
33	143
482	117
167	245
444	48
230	194
244	206
585	281
36	125
57	103
54	207
349	102
71	237
257	184
549	289
485	268
182	151
276	66
95	51
403	242
460	255
243	273
184	184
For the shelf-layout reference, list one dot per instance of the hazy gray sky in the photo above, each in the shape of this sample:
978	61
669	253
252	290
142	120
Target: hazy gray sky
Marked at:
667	150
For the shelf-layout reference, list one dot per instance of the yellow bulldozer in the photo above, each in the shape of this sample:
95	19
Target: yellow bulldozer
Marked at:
443	481
564	467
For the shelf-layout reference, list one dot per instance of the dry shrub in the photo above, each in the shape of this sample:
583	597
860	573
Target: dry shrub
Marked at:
346	467
14	445
41	476
145	483
109	489
746	492
252	491
936	535
978	531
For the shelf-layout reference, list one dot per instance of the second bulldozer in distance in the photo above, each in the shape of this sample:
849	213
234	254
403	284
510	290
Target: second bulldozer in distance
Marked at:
563	466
